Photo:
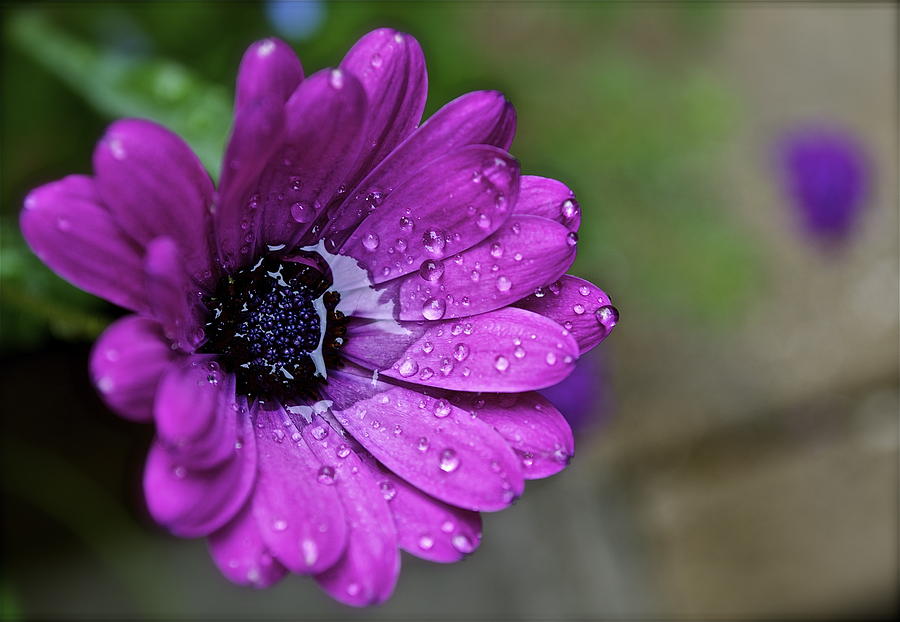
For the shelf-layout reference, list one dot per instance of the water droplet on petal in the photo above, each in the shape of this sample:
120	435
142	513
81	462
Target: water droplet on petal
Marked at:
504	284
460	352
578	309
319	432
431	270
376	60
336	78
371	241
326	475
279	525
572	238
608	316
449	461
426	373
442	408
310	551
584	290
426	542
408	367
387	490
462	543
519	352
434	242
496	250
550	358
342	451
434	309
483	221
501	363
422	444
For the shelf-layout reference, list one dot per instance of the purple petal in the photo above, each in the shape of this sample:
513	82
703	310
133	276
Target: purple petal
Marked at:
324	121
196	502
478	118
69	229
268	70
127	363
449	206
525	253
195	413
429	528
391	67
368	570
579	306
173	298
300	516
552	199
154	185
428	442
532	426
240	553
269	74
508	350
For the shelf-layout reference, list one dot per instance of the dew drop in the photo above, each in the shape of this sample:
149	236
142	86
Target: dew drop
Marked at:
446	366
460	352
569	209
431	270
501	363
447	526
449	461
519	352
387	490
427	347
336	79
376	60
342	451
483	221
434	309
426	542
496	250
442	408
406	224
584	290
608	316
371	241
279	525
434	242
503	284
462	543
408	368
572	238
326	475
578	309
550	358
310	551
422	444
319	432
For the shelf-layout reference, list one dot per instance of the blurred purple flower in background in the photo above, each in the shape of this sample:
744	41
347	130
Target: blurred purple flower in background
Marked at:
583	397
826	177
340	346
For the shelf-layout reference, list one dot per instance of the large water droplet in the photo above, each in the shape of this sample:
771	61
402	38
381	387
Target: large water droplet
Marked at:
608	316
434	309
431	270
501	363
449	461
442	408
572	238
504	284
578	309
326	475
371	241
434	242
408	367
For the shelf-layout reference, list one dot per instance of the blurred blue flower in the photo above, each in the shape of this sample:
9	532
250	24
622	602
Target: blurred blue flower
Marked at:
295	20
826	177
583	397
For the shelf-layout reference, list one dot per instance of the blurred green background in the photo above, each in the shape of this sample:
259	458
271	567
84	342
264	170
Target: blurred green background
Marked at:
749	467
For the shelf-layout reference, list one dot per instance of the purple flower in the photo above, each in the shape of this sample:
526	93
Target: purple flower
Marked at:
826	177
583	397
340	346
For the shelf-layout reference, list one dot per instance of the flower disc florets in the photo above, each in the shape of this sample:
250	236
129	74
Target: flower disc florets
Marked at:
275	325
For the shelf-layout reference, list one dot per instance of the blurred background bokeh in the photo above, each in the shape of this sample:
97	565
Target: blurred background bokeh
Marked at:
738	432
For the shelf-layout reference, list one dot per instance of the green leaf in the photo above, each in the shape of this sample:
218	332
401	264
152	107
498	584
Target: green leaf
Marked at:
119	85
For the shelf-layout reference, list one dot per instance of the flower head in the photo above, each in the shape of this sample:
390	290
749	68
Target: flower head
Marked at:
826	178
340	345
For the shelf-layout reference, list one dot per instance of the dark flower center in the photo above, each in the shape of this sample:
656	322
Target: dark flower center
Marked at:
276	327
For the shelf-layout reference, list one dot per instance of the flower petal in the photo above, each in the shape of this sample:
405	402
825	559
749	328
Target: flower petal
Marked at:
368	570
154	185
426	441
69	229
240	553
173	298
532	426
127	363
391	67
478	118
196	502
506	351
578	305
195	412
270	72
549	198
524	254
428	528
324	122
300	518
449	206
